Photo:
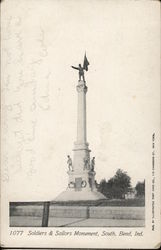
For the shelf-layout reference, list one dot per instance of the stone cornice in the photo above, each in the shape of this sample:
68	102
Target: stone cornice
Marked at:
81	87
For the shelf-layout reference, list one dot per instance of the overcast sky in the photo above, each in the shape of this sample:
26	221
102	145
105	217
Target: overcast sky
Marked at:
44	38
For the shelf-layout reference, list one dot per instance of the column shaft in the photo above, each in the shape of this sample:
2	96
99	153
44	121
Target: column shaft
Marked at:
81	118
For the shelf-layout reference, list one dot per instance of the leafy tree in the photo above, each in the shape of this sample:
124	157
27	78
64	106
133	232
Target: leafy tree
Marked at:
117	186
103	186
140	188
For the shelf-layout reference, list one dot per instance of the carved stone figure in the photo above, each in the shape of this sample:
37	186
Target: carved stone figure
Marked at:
92	164
86	163
69	162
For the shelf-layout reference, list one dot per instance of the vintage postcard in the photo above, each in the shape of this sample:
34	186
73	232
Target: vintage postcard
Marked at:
80	123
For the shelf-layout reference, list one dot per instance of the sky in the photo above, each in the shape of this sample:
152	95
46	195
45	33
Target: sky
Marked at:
41	40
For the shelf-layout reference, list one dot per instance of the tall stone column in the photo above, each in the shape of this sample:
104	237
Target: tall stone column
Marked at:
81	159
81	183
81	113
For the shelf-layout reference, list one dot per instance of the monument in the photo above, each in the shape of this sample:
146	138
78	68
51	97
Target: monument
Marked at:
81	171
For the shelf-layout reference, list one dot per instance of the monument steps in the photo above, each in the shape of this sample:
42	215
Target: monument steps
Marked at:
84	195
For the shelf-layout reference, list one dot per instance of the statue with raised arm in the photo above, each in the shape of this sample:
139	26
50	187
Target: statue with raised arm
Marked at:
81	69
69	162
81	72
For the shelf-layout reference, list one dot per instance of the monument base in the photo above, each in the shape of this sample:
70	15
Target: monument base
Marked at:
84	195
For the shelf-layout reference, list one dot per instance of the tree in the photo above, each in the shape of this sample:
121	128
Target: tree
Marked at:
117	186
140	188
103	187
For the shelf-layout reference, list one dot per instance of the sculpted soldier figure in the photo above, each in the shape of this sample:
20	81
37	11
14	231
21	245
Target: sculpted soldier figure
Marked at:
86	163
69	162
81	72
81	69
92	164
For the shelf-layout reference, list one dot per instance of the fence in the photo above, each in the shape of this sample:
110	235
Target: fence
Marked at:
46	210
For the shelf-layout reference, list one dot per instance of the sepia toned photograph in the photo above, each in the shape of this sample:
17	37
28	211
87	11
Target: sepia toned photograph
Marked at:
80	123
85	202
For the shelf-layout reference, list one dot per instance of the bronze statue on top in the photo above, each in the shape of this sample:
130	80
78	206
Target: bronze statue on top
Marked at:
81	69
81	72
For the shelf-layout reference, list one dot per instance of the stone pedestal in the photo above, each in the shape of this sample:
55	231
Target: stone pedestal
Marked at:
81	185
